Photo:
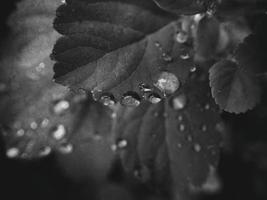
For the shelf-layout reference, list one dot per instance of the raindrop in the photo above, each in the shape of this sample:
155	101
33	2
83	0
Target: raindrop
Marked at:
107	100
204	128
113	115
3	87
178	102
166	57
60	106
40	67
65	148
20	132
34	125
193	69
157	44
122	144
189	138
181	37
131	99
45	151
167	83
45	123
207	107
144	87
180	117
185	56
12	152
58	132
197	147
154	98
181	127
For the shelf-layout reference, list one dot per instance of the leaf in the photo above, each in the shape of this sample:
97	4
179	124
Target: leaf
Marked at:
234	88
172	144
113	47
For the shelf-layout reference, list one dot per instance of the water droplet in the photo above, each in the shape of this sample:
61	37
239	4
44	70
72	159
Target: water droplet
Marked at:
107	100
156	114
96	94
34	125
122	144
157	44
3	87
178	102
213	183
154	98
197	147
144	87
63	1
184	56
113	115
165	114
179	145
59	132
142	173
45	123
220	127
181	37
181	127
204	128
193	69
166	57
12	152
131	99
45	151
60	106
189	138
207	107
113	147
40	67
167	83
20	132
65	148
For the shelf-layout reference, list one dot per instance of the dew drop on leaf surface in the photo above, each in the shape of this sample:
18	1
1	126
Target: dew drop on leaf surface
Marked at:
178	102
58	132
167	83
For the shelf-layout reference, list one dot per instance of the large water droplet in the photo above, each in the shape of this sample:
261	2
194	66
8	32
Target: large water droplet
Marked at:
181	127
65	148
12	152
60	107
154	98
179	102
167	83
40	67
131	99
58	132
45	123
181	37
107	100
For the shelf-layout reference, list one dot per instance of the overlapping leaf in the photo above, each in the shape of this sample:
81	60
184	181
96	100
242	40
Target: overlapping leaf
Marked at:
172	144
114	46
234	88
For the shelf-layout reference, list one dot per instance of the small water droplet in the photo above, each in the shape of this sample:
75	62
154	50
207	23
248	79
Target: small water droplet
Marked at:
197	147
179	145
154	98
142	173
63	1
3	87
189	138
181	37
167	83
156	114
96	94
34	125
107	100
20	132
60	106
166	57
12	152
45	151
157	44
40	67
59	132
165	114
178	102
180	117
121	143
181	127
184	56
207	107
204	128
131	99
113	115
193	69
65	148
45	123
144	87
